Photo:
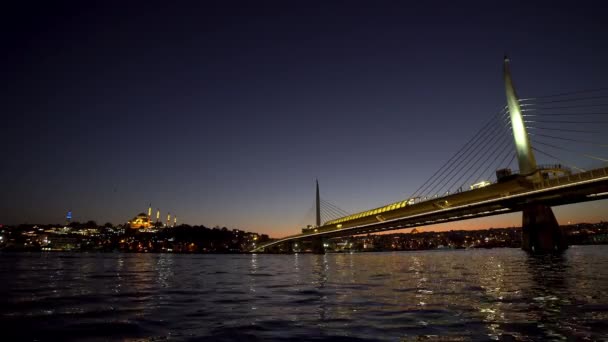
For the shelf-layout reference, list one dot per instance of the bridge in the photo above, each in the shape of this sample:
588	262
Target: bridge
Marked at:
449	196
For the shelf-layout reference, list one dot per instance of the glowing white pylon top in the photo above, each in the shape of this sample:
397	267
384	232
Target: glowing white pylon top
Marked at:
525	157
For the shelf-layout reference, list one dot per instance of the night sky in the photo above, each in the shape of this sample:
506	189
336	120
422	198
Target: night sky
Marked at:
224	113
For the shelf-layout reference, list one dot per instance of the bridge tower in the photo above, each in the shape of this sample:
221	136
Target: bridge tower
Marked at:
540	231
318	207
525	156
317	242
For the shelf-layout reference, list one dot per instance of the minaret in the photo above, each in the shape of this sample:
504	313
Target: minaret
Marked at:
157	215
525	157
150	212
318	220
174	221
168	219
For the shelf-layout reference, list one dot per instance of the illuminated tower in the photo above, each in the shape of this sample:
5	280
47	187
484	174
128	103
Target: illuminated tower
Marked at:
318	219
150	212
68	217
168	219
525	157
157	215
540	231
174	221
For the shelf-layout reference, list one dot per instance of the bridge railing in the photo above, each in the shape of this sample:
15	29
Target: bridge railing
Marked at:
553	167
572	178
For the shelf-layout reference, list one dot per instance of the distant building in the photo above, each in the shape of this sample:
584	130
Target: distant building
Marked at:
140	221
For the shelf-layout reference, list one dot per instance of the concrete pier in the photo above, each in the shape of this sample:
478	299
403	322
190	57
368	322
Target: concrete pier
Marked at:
540	231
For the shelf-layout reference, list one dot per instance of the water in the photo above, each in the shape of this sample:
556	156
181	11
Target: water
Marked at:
431	295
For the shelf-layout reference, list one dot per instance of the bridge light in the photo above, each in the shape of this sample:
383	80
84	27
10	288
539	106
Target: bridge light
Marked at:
480	185
598	194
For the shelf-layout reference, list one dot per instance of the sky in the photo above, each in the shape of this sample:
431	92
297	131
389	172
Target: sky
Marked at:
225	112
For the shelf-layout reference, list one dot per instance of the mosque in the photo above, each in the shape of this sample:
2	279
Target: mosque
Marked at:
143	221
140	221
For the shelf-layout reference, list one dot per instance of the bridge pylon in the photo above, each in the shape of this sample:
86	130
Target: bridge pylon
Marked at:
317	243
540	230
525	156
318	207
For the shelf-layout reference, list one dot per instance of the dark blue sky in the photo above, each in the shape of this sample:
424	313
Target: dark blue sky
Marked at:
225	112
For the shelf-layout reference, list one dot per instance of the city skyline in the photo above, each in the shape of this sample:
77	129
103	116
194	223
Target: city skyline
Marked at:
227	115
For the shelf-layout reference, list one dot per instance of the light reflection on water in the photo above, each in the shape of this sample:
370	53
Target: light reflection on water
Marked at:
471	295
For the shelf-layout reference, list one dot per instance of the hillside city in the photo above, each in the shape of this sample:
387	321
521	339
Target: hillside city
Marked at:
89	237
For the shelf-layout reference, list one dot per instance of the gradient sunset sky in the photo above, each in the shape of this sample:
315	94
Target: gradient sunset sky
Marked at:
225	112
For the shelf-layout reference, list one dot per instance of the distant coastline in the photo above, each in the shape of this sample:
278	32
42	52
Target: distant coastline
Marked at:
187	239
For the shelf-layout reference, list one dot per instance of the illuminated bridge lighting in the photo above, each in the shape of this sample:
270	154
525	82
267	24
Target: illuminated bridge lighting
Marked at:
494	203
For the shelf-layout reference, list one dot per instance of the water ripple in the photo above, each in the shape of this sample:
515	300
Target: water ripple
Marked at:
500	294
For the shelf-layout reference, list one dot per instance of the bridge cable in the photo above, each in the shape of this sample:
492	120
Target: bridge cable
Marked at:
505	150
336	208
340	210
480	148
562	129
489	152
567	139
558	159
560	114
327	216
543	116
534	106
492	152
572	99
481	134
486	153
330	213
565	94
456	170
462	150
485	175
571	151
566	121
502	162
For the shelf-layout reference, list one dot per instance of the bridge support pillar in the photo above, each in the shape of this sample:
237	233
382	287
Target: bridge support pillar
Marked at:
540	231
317	246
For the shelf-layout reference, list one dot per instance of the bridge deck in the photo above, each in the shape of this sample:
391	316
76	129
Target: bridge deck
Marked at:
494	199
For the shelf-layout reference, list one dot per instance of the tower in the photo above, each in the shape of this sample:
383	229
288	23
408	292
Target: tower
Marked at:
68	218
540	230
150	212
318	207
157	215
525	157
168	219
317	242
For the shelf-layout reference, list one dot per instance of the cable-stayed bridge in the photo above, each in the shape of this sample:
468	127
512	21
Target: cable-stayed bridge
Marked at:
566	131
